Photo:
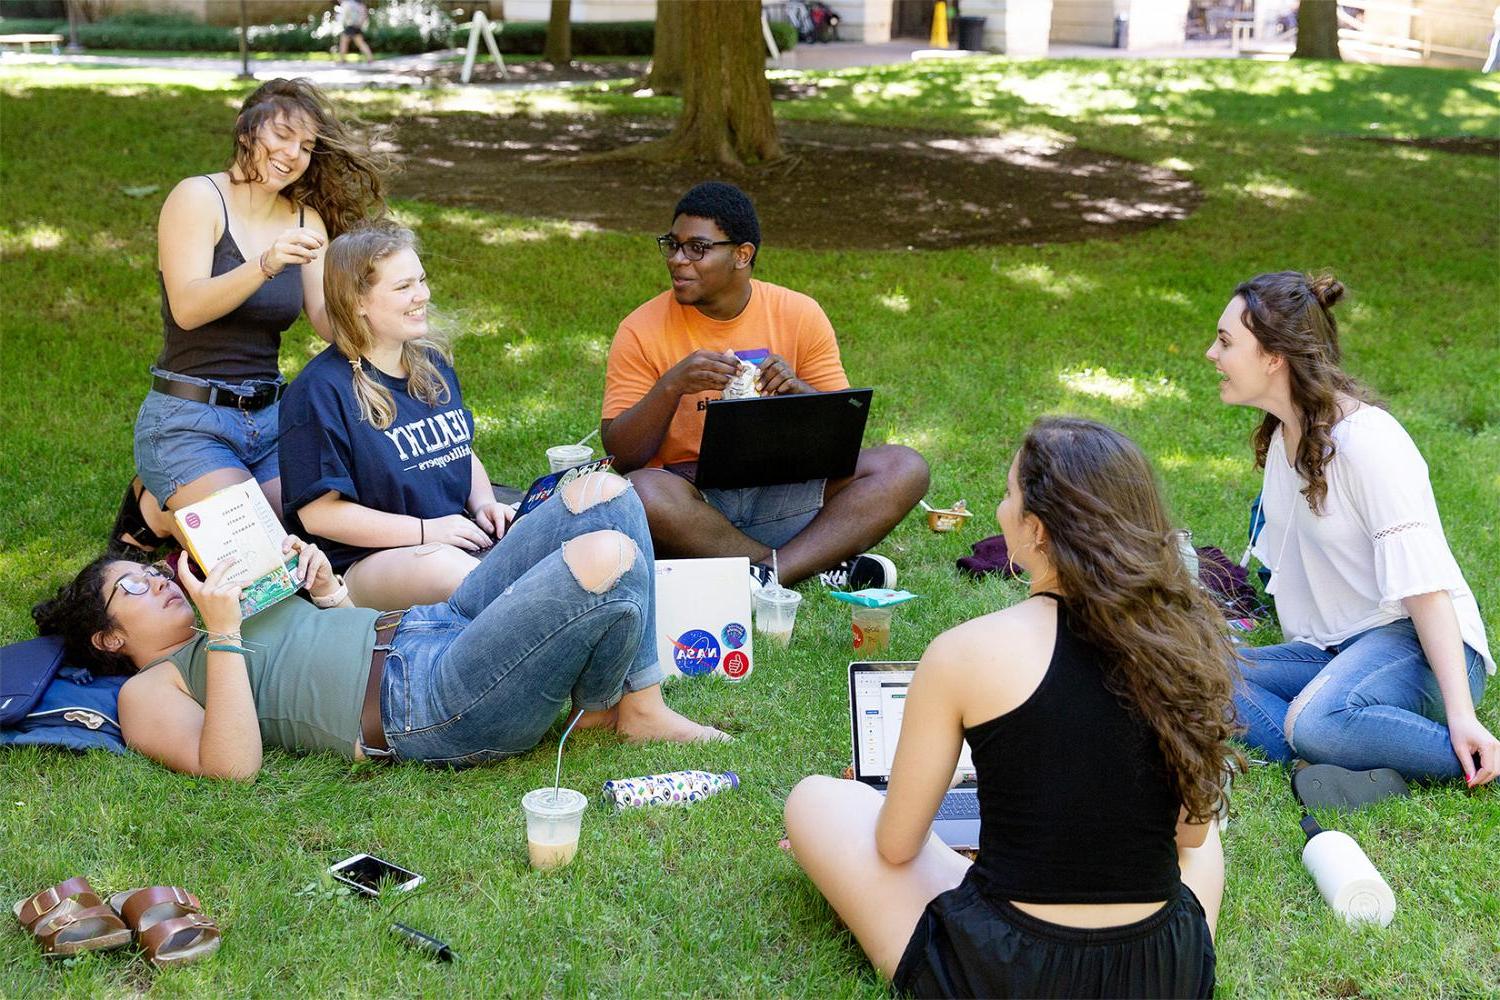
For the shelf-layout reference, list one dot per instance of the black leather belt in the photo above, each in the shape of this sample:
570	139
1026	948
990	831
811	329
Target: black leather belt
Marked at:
371	727
217	395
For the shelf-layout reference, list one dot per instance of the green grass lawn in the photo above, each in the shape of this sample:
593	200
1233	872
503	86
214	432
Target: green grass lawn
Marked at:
966	347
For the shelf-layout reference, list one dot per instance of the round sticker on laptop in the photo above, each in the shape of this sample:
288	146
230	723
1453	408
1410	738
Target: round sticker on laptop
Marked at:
733	635
695	652
736	665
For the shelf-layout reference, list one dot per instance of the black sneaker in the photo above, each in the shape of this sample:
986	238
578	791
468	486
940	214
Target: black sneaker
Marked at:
760	576
860	573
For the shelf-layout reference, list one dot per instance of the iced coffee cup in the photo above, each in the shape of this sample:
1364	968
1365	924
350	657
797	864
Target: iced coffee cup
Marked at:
776	613
565	456
553	819
872	630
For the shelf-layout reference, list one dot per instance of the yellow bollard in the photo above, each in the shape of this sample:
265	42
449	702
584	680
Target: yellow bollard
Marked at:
939	39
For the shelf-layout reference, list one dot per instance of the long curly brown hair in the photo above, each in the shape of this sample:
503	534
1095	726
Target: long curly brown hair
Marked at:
1291	315
1165	647
344	182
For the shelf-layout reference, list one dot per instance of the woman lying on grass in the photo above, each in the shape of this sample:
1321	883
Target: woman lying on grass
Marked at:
376	451
563	612
1386	654
1097	712
240	258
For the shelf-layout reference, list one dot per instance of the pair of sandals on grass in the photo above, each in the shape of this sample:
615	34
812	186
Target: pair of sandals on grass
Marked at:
167	922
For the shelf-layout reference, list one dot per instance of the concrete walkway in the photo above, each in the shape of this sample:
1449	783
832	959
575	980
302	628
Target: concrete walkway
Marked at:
841	55
403	71
393	71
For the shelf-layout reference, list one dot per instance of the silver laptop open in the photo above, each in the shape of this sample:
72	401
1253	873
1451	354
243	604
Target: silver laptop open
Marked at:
877	702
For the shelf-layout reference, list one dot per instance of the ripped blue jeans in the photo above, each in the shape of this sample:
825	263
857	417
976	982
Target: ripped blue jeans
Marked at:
484	675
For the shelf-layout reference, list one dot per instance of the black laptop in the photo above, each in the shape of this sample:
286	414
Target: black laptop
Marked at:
782	439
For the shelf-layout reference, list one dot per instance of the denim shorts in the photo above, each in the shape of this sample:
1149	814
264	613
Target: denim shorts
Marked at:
179	440
772	515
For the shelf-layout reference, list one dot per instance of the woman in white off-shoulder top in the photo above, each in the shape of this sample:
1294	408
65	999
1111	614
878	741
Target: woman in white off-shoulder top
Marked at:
1385	655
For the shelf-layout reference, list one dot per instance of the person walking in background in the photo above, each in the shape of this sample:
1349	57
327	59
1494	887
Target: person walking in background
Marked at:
355	17
1492	61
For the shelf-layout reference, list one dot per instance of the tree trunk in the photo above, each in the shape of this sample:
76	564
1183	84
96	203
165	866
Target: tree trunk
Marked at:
669	49
1317	30
559	51
726	100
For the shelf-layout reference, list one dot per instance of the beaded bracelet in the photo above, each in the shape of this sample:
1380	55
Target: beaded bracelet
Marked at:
264	270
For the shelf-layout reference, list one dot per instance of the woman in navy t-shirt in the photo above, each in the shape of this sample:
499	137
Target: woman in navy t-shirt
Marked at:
376	444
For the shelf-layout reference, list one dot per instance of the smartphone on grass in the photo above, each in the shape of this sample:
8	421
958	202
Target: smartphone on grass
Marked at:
366	874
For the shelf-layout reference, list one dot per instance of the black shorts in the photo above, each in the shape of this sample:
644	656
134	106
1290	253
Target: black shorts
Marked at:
353	31
968	945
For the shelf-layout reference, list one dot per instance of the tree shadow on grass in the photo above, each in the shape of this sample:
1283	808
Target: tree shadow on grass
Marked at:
845	187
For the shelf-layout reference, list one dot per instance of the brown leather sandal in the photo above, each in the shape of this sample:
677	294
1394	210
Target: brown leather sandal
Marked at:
169	924
70	918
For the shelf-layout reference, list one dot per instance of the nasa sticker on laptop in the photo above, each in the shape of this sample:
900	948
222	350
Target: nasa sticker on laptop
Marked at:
695	653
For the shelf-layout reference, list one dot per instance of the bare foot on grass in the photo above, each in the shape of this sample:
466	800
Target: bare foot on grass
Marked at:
643	717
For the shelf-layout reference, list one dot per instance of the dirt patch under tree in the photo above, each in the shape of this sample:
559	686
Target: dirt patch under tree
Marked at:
841	187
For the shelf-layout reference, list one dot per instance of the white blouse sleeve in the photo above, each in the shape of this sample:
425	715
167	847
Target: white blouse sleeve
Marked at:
1384	478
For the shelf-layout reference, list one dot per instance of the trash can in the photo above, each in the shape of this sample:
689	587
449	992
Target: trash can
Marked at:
1122	31
971	34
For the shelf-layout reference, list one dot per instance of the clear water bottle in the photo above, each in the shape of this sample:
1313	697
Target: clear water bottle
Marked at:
1188	553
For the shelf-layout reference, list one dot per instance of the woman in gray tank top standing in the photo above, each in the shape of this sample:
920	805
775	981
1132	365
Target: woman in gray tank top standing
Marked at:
240	257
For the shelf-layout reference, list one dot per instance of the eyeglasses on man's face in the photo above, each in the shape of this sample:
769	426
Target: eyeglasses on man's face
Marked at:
691	249
137	584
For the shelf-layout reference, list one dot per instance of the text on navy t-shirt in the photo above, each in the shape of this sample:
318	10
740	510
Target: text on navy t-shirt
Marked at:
420	465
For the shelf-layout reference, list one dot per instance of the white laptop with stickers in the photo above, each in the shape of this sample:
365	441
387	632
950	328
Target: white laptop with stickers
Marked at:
703	617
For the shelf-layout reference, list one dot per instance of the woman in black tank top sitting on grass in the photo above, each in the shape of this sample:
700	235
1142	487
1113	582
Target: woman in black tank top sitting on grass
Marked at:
240	257
1097	712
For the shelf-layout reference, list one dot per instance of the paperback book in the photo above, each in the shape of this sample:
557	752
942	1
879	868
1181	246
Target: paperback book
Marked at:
237	523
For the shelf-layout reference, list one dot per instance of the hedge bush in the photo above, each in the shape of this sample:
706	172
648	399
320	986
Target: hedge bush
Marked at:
111	34
32	26
604	38
785	35
156	32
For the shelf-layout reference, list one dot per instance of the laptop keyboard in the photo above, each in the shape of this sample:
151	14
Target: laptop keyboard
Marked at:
965	806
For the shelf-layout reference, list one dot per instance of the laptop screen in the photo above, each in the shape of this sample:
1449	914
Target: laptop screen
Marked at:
877	702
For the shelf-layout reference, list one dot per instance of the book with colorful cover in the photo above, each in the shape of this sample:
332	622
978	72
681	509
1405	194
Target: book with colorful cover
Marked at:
237	523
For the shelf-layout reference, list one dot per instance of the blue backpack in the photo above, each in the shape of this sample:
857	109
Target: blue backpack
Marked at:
43	702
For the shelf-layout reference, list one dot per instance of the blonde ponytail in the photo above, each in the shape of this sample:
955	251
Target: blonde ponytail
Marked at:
376	406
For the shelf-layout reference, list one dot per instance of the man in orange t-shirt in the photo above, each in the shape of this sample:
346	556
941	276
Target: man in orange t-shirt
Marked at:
679	350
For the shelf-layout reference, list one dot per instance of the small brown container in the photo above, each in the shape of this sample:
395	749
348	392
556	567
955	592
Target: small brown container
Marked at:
947	520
